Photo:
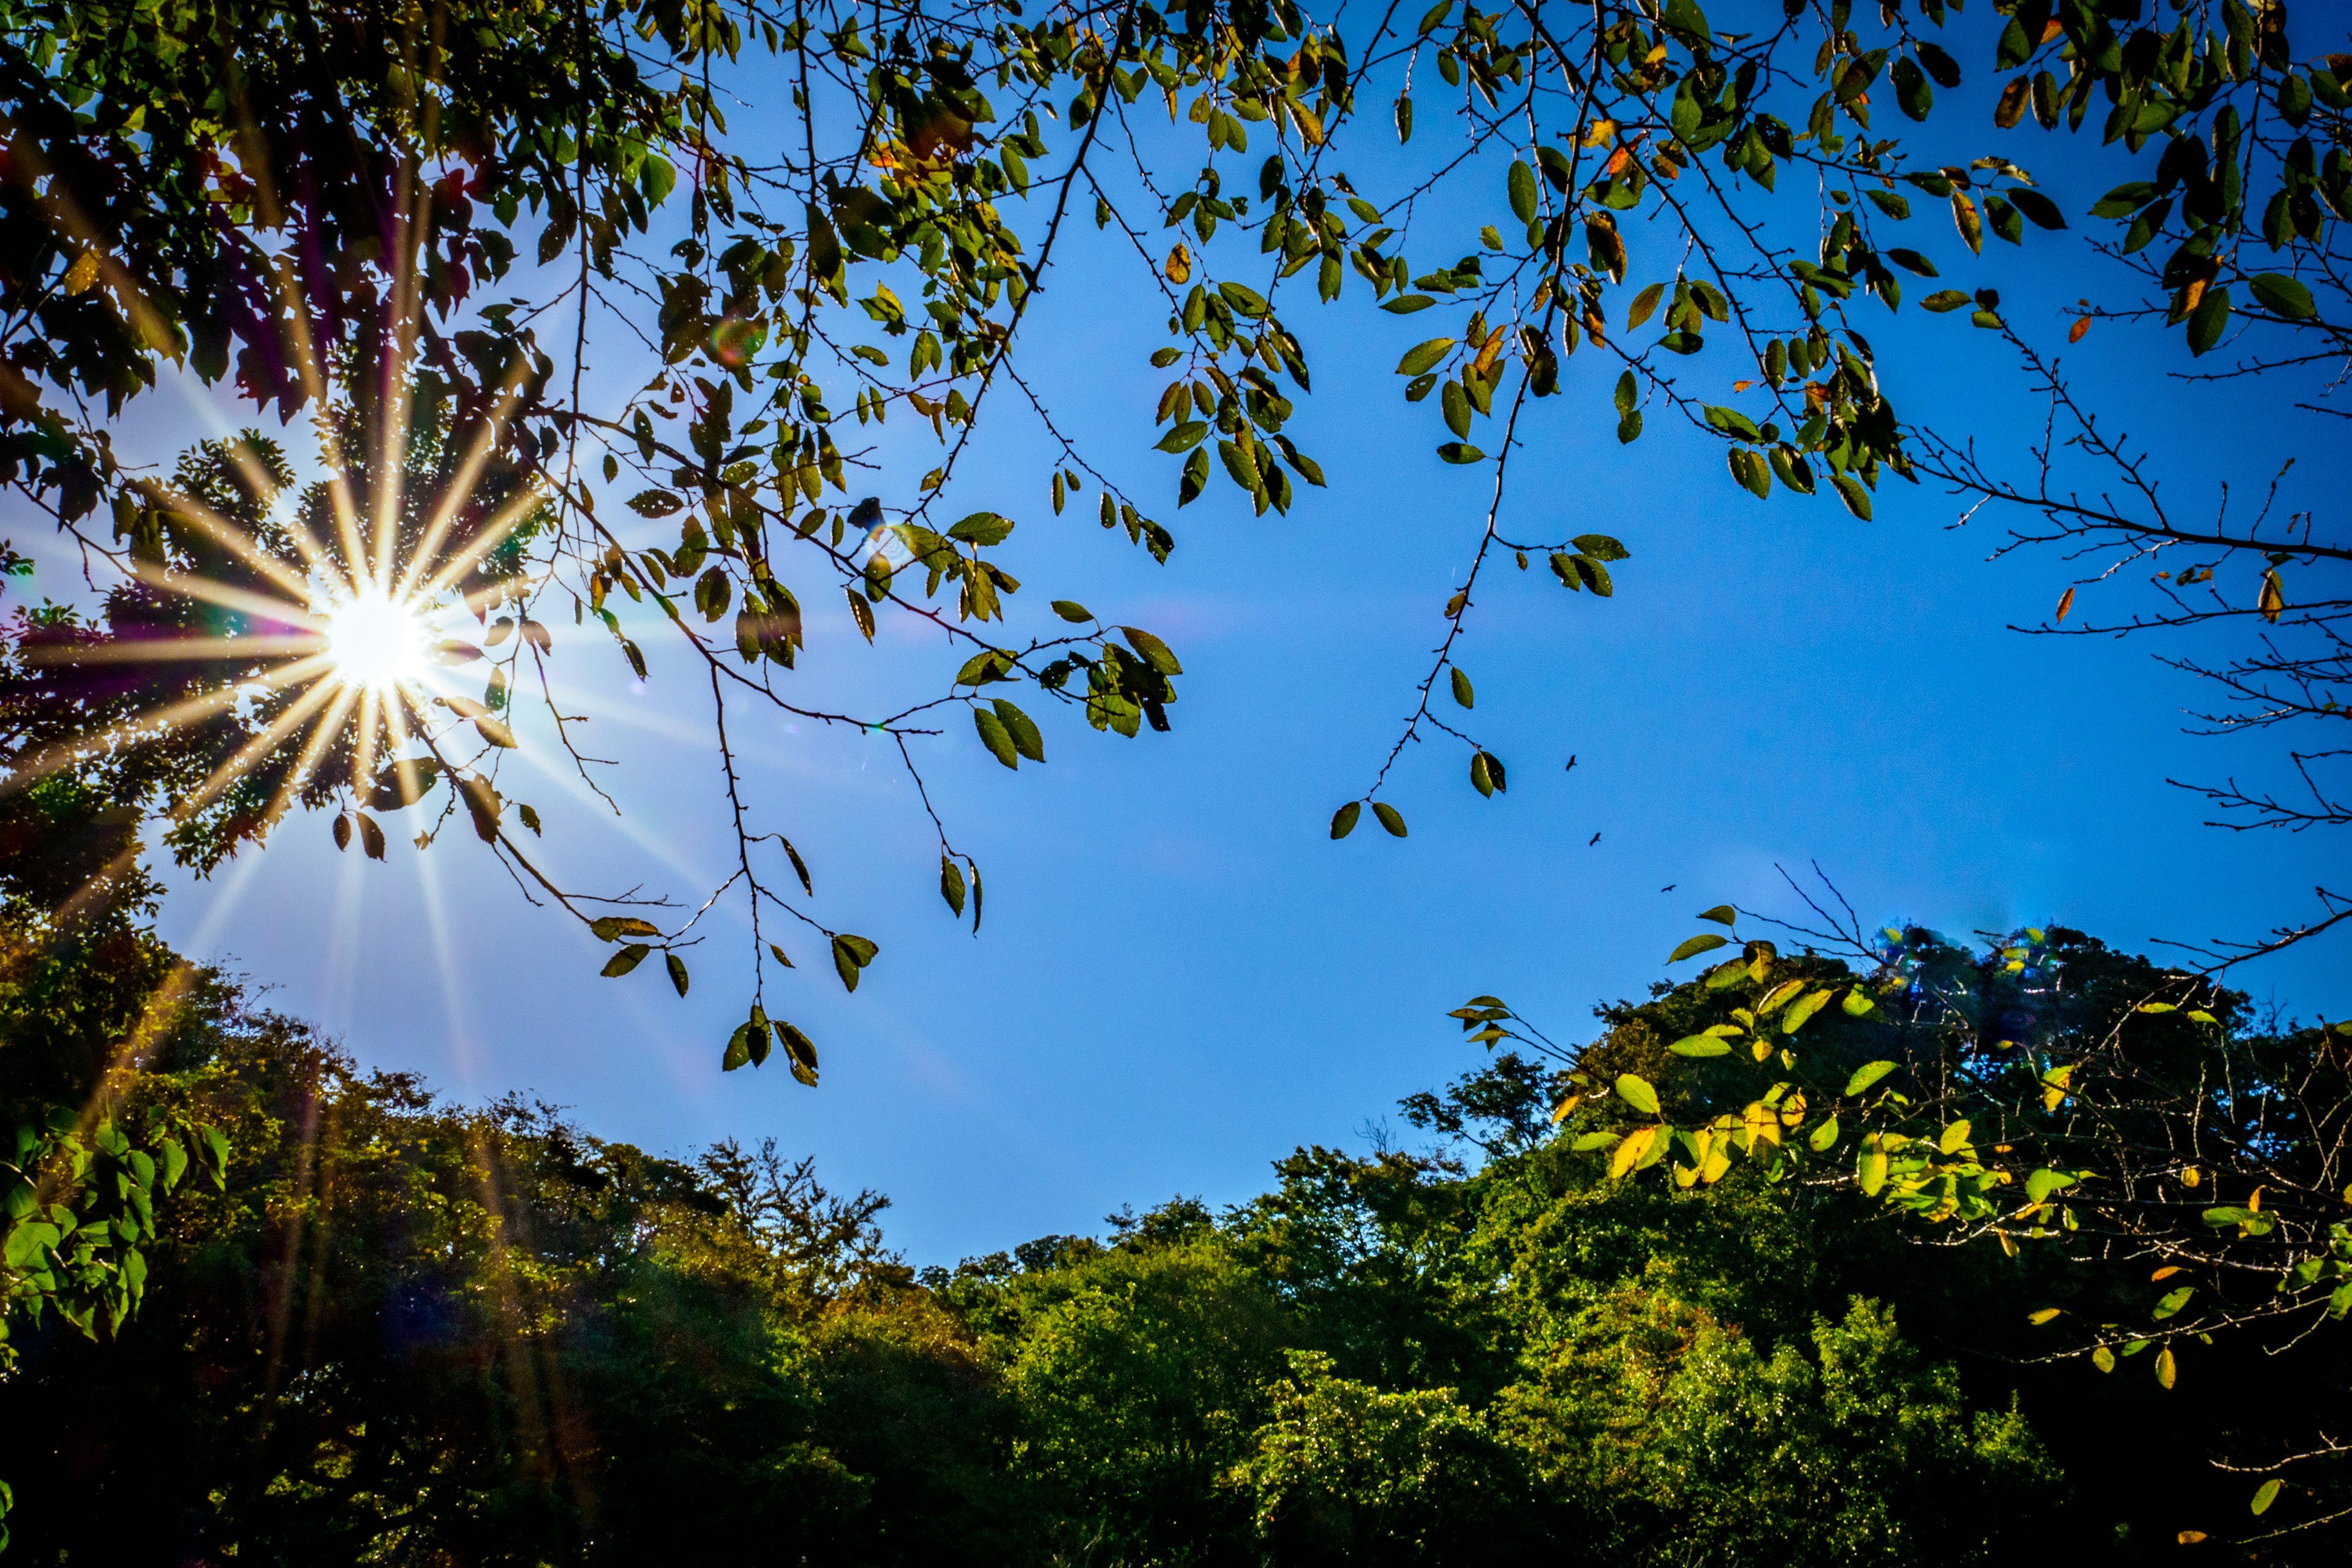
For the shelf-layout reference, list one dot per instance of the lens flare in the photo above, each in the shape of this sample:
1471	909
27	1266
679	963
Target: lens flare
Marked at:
373	643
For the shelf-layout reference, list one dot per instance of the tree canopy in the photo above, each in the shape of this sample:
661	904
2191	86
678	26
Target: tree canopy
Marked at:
405	1327
418	230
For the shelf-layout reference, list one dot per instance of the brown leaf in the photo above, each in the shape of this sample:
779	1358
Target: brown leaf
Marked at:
2074	333
2012	107
2066	603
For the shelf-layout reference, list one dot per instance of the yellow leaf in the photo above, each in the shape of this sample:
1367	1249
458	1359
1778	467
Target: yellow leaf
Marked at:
1486	359
1179	265
84	272
2274	600
2044	1316
2167	1369
1954	1137
2190	1537
1629	1152
2167	1272
1971	225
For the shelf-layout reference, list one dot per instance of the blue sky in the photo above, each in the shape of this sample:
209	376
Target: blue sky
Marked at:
1180	977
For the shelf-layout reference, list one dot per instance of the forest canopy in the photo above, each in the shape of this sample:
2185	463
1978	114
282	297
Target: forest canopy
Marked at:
406	1328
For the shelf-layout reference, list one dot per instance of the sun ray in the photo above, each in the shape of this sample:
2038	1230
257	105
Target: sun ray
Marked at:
492	534
253	751
155	649
237	541
28	771
228	597
459	490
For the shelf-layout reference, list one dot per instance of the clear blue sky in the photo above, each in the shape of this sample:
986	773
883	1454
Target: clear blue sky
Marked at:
1180	977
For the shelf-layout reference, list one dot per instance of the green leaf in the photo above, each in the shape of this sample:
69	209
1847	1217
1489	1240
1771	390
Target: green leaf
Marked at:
2042	1184
2282	296
1071	611
1406	304
2173	1303
1722	915
1866	1075
677	971
1732	422
1850	490
738	1049
952	883
1801	1010
2104	1358
2218	1217
1706	941
613	928
2209	321
2264	1495
1023	730
1588	1141
1700	1046
1858	1003
1870	1171
800	1051
1824	1136
1944	300
1343	821
995	737
1636	1092
1424	356
1154	652
1644	305
1911	89
1522	192
1954	1137
851	955
1462	692
1391	817
1184	436
1600	547
628	958
2037	207
982	527
1461	452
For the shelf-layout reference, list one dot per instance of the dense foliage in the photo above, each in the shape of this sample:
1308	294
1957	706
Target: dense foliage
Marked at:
431	222
409	1330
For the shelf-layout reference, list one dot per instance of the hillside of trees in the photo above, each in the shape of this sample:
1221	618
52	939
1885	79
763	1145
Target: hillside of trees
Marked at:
406	1329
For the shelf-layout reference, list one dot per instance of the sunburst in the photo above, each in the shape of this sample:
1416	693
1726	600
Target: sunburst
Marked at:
374	641
280	644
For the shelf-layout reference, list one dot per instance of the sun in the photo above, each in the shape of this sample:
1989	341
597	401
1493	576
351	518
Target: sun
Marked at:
374	643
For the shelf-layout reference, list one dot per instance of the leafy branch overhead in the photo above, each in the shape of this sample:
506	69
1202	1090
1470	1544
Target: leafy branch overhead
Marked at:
425	237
